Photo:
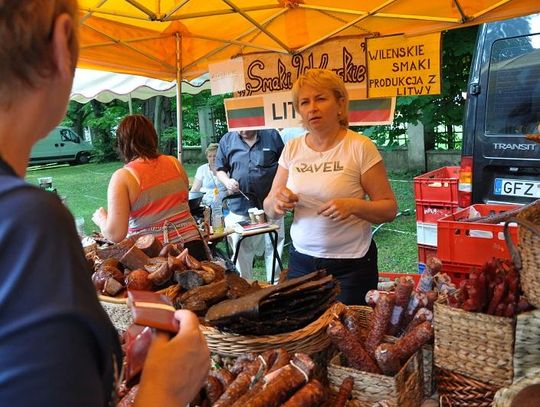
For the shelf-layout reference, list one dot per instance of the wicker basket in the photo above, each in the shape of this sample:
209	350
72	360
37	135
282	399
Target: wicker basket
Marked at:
456	390
427	350
402	390
527	344
310	339
476	345
527	256
504	396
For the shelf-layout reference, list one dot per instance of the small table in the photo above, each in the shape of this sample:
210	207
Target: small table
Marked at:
215	238
270	230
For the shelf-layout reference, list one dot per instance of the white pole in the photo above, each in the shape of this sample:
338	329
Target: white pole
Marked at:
179	96
130	105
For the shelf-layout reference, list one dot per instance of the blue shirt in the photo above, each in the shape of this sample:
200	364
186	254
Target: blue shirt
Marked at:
253	167
57	345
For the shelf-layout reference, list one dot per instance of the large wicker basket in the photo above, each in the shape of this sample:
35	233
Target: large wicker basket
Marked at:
427	350
456	390
402	390
527	256
310	339
476	345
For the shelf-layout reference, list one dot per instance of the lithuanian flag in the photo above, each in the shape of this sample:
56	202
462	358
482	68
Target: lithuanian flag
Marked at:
249	112
369	112
245	112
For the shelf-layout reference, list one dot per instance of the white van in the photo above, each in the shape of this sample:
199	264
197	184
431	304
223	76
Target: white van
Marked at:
61	145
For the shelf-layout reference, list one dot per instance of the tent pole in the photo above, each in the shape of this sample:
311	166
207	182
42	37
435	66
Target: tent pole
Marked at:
130	104
179	96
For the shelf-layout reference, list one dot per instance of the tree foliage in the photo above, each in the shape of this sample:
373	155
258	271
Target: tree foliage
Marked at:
101	119
445	109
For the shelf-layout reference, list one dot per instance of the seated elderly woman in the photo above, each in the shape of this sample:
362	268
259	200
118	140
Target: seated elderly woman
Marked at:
149	194
206	180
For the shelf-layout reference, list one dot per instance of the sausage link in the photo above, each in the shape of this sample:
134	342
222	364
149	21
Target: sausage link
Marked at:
354	352
379	323
310	395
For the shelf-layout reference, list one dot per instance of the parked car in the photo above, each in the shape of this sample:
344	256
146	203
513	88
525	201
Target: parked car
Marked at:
61	145
498	163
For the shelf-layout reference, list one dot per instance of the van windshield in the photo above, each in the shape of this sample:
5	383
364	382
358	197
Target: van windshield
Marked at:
68	135
513	94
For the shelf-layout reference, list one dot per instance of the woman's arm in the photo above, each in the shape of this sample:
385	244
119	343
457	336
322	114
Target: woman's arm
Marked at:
114	223
280	199
381	206
197	184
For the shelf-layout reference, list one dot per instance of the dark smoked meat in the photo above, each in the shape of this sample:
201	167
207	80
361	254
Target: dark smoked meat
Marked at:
344	392
391	355
379	323
403	293
213	389
284	383
357	357
353	322
279	308
310	395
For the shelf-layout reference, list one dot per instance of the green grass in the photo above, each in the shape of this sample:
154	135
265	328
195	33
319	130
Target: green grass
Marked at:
85	189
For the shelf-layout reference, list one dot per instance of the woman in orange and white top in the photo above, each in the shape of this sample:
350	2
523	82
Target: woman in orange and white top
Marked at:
149	195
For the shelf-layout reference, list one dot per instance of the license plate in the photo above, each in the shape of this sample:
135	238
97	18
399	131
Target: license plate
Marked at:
514	187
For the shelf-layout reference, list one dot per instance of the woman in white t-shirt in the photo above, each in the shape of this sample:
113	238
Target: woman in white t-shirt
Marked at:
205	178
327	176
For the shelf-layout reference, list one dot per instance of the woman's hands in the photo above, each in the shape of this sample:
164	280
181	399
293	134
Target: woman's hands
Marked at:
176	368
338	209
281	201
100	217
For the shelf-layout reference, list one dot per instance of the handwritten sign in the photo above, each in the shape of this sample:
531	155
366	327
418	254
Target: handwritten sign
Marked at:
404	66
268	72
226	76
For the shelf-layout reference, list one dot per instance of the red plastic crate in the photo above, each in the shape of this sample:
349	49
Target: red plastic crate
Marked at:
473	243
431	212
440	185
426	252
458	272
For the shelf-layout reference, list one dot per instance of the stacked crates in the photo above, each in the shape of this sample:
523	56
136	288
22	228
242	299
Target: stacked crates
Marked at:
465	246
436	196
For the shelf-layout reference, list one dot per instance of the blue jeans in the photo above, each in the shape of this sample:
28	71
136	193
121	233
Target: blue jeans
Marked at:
356	276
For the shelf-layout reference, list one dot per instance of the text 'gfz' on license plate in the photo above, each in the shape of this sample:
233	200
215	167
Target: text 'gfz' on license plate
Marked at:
513	187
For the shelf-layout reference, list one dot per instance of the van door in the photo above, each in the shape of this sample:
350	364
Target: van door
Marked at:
505	108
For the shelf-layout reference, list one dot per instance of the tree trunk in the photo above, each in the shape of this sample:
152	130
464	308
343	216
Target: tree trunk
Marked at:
451	137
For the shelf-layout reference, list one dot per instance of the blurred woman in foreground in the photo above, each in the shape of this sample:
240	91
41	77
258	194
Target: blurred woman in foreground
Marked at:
326	177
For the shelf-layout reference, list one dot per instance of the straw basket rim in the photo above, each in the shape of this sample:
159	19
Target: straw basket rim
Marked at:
310	339
404	388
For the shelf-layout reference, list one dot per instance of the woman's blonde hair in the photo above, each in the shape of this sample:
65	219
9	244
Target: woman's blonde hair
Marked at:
325	79
211	147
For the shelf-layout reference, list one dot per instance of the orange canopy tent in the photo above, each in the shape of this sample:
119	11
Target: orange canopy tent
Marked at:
177	39
164	38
